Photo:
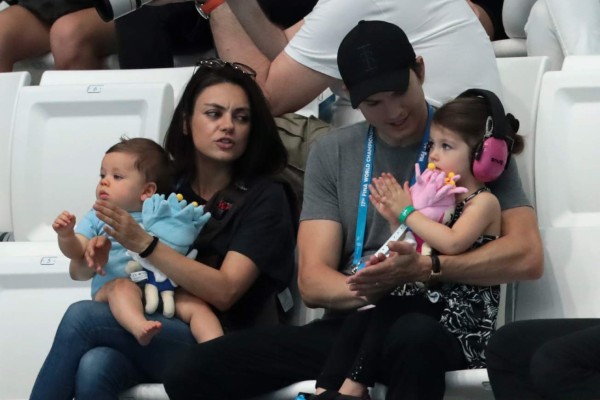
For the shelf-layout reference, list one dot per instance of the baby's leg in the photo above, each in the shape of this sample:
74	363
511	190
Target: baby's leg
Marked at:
125	301
203	322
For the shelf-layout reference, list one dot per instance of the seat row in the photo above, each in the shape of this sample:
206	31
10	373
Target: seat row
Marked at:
52	135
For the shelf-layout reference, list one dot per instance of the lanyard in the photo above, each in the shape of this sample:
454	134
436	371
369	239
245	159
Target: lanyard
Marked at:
367	172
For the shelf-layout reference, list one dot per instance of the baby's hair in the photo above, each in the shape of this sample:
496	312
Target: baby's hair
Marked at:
151	160
467	116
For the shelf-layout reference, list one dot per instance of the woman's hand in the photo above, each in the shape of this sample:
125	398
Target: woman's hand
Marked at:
122	227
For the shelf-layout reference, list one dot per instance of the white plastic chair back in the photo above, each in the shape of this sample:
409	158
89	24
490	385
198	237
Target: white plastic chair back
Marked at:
567	192
59	138
581	63
10	84
176	77
521	82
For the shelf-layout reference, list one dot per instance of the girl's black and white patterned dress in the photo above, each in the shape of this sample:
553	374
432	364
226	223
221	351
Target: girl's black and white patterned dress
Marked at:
470	311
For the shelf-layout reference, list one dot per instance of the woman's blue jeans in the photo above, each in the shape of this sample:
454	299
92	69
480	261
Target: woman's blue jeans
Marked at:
93	357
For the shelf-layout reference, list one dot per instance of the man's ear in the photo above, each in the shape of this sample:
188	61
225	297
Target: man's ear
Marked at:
149	190
421	63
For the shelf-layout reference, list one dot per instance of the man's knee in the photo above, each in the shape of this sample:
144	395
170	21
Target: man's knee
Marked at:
550	371
506	346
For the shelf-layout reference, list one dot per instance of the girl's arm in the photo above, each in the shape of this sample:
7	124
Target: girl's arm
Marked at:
481	215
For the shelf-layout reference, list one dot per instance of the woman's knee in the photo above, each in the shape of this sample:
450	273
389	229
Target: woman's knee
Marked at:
103	373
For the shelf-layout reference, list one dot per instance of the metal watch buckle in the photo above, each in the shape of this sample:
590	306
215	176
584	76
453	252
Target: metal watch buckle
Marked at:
198	4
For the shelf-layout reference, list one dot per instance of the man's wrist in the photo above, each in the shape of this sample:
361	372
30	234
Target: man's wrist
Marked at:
436	271
205	7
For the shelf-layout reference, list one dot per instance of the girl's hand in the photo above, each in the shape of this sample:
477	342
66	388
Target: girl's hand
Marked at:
391	194
64	224
122	227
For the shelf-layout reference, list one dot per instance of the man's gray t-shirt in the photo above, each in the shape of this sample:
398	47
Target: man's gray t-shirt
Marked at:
333	178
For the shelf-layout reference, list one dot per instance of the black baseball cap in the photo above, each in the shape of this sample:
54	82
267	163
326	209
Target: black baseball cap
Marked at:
375	56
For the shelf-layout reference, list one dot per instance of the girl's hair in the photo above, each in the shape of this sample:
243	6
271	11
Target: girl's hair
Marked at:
467	116
265	153
150	159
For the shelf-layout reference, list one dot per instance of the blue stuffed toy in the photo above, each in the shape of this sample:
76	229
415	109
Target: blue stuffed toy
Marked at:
177	224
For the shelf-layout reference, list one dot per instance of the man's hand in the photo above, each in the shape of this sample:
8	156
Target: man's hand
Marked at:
64	224
96	253
383	274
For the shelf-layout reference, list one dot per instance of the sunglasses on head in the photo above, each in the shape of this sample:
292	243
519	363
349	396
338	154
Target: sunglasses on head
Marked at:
217	63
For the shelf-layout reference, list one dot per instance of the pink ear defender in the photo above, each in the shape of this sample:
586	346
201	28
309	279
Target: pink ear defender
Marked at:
492	155
493	160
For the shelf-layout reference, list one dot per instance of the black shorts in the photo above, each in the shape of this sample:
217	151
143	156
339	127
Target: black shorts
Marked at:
51	10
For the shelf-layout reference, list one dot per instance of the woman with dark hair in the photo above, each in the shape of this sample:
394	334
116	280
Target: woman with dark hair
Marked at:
226	151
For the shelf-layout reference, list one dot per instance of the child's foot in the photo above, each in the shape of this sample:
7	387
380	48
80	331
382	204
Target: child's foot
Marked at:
147	331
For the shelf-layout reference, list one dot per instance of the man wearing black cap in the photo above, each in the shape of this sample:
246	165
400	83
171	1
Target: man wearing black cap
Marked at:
387	88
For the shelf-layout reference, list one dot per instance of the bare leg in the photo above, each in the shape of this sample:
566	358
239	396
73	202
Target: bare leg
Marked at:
80	40
17	43
203	322
125	301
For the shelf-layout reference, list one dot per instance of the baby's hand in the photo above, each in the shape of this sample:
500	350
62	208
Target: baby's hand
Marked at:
64	224
96	253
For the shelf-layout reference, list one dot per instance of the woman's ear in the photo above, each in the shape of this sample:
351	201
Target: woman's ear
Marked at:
149	190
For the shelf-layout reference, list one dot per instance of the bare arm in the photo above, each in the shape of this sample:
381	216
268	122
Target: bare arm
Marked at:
480	214
320	283
516	255
263	51
221	288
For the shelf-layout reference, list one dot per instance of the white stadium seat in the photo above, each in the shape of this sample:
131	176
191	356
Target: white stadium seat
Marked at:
176	77
579	63
59	138
60	134
521	82
10	84
567	191
35	291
